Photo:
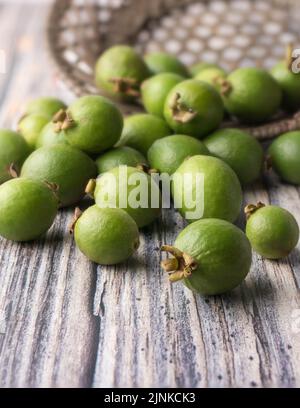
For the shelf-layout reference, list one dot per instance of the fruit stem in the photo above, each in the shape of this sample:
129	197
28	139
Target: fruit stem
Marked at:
180	112
76	216
126	86
181	266
63	120
90	188
252	208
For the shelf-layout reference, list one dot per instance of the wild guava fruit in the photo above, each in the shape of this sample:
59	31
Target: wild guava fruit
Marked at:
158	62
67	167
198	67
213	76
194	108
167	154
119	156
49	136
106	236
251	95
120	71
141	130
240	150
156	89
284	157
211	257
31	126
272	231
92	124
132	190
27	209
217	188
13	152
46	106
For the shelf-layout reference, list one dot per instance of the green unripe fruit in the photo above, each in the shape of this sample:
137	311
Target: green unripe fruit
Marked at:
194	108
127	187
221	193
272	231
120	72
13	151
92	124
213	76
49	136
155	91
251	95
167	154
284	155
201	66
241	151
44	107
106	236
27	209
159	62
289	83
67	167
142	130
31	127
119	156
211	256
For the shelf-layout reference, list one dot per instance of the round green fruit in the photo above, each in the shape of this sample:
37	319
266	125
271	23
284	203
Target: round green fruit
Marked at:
201	66
92	124
155	91
284	155
120	72
159	62
194	108
119	156
45	107
220	192
67	167
106	236
49	136
289	83
252	95
31	127
13	151
272	231
142	130
167	154
213	76
239	150
130	189
27	209
211	256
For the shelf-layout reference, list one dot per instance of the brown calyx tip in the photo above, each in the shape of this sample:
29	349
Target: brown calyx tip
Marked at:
268	163
76	216
63	120
181	266
180	112
13	171
146	169
126	86
90	188
252	208
224	84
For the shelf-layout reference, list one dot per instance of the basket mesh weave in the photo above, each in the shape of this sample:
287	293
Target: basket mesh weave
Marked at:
231	33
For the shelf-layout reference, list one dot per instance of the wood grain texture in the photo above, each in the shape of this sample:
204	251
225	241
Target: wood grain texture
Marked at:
66	322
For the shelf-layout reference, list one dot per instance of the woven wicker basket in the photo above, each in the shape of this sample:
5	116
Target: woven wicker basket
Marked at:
230	32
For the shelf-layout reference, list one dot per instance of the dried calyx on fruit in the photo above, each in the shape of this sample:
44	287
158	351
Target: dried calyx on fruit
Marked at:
179	267
180	111
63	120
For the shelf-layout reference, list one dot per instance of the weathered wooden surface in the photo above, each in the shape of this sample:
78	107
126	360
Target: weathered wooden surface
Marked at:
65	322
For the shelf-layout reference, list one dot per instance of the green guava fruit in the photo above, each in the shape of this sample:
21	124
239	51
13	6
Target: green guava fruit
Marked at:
31	126
120	71
92	124
289	83
67	167
44	106
142	130
251	95
284	154
155	91
272	231
211	257
194	108
107	236
159	62
130	189
27	209
195	69
240	151
220	193
213	76
119	156
13	152
167	154
49	136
